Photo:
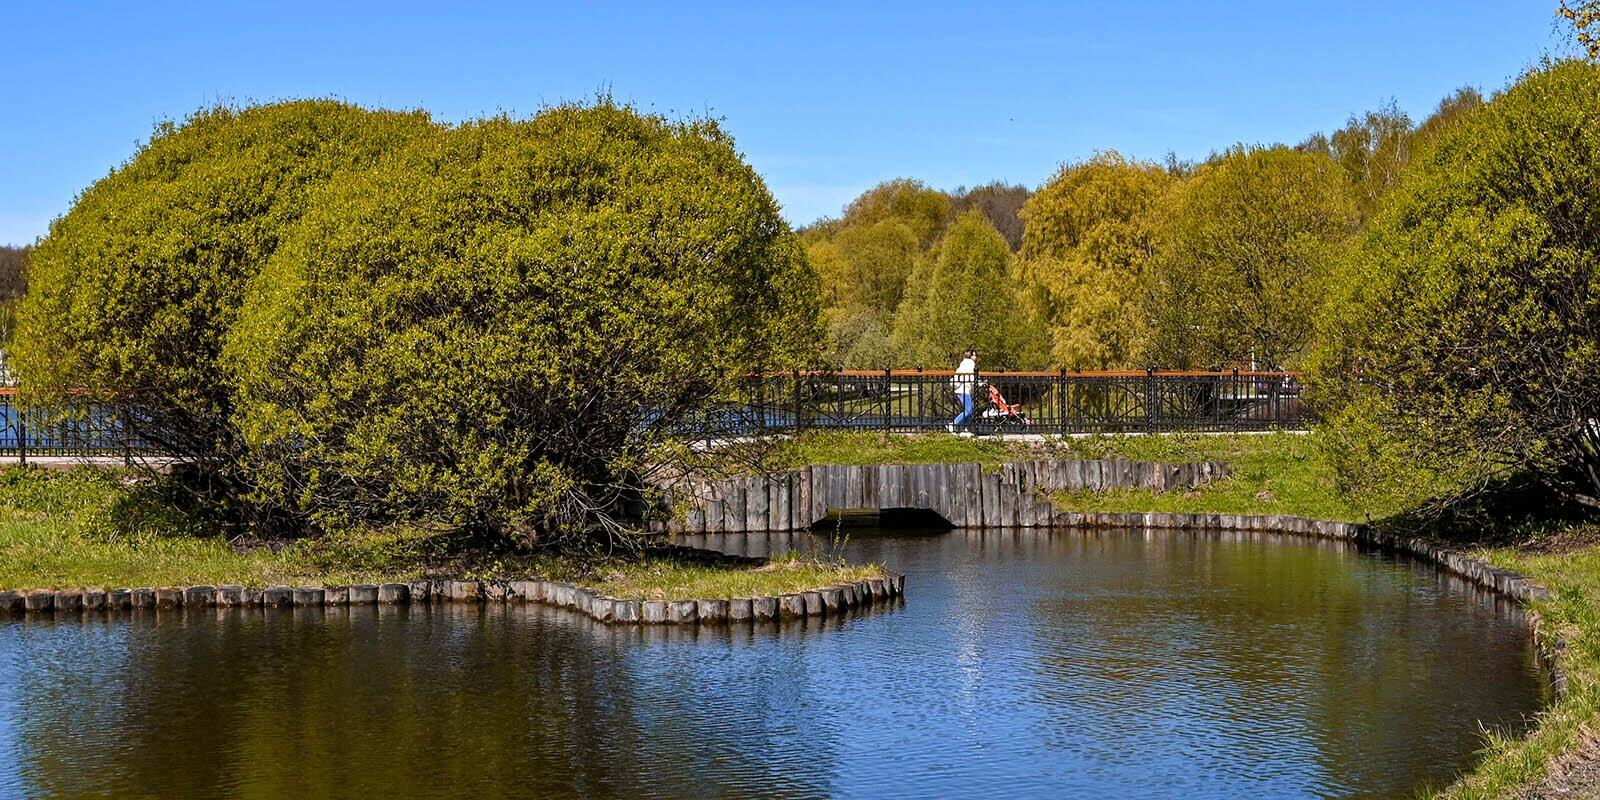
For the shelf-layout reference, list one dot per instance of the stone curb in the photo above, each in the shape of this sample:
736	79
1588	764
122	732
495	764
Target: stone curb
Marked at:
826	602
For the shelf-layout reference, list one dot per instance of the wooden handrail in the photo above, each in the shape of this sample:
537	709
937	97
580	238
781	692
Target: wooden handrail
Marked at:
943	373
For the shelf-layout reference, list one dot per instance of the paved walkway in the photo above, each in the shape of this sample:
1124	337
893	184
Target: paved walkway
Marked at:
161	463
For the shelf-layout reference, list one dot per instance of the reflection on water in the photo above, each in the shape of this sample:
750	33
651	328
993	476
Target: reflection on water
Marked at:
1167	664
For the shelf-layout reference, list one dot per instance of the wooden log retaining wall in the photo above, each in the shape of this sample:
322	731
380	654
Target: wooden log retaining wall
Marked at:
967	495
826	601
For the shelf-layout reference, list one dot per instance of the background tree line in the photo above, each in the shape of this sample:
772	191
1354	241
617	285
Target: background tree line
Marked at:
1115	263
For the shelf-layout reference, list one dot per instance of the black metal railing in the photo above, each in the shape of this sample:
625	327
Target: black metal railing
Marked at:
1036	402
76	429
884	400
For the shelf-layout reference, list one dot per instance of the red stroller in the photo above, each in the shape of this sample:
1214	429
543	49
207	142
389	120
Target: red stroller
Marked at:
1002	417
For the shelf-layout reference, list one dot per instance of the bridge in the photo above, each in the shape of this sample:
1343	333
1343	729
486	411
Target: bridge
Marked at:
963	495
1059	402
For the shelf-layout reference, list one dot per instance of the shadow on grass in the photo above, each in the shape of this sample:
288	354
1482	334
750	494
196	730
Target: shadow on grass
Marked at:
1515	511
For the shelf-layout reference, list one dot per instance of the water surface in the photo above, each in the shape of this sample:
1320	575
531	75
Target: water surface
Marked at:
1021	664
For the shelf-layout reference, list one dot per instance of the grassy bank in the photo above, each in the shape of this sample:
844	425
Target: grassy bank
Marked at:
93	528
1276	473
1560	757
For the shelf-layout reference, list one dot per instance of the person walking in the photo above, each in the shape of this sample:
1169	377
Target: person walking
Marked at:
964	382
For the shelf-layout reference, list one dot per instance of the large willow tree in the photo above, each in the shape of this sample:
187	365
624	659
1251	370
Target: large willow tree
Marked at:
1085	255
499	328
1463	340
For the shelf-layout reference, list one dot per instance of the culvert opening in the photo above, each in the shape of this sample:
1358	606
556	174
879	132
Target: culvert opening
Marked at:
885	518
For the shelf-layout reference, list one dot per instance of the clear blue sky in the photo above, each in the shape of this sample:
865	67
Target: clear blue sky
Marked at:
824	99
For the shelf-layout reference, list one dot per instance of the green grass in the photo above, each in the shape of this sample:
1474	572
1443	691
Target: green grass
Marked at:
1276	473
90	528
671	579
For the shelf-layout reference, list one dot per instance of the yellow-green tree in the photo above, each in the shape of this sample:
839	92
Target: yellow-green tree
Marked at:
1462	341
1089	232
496	327
1584	16
1000	203
927	211
1373	149
864	260
963	296
863	271
1451	111
135	288
1243	257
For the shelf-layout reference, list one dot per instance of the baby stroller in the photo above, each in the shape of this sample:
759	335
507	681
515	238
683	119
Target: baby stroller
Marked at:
1000	416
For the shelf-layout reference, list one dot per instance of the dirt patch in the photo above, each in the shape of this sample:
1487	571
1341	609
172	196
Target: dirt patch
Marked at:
1563	540
1574	776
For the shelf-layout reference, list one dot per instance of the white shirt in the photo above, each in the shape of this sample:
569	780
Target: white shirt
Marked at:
963	377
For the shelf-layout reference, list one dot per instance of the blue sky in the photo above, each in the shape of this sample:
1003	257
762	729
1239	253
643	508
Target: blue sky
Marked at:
824	99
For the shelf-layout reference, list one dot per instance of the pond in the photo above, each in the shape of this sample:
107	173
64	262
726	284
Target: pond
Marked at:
1021	664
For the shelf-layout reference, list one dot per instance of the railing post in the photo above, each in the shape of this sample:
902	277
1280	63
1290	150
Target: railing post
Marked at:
1151	410
22	436
127	440
838	396
799	422
888	399
922	402
1061	401
761	404
1237	388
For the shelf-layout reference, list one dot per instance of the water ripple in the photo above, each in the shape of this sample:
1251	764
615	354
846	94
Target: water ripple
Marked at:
1024	664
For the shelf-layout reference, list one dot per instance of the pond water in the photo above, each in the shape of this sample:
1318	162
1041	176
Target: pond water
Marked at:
1021	664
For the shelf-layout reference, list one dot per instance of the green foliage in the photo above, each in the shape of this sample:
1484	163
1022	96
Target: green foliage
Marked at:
135	288
1464	334
1243	259
1452	111
867	266
1583	16
964	296
496	326
1090	232
864	261
1374	150
927	211
863	270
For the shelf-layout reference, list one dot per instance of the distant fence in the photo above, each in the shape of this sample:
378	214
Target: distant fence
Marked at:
883	400
1044	402
76	430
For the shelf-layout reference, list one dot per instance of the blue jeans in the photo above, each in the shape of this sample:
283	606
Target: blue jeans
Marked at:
966	408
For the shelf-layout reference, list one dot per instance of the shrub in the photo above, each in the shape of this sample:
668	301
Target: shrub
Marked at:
1463	340
499	328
